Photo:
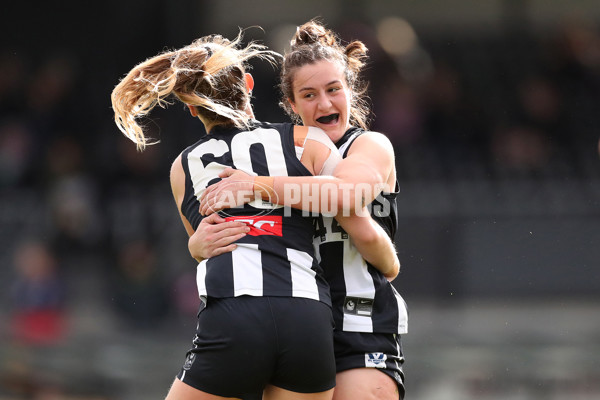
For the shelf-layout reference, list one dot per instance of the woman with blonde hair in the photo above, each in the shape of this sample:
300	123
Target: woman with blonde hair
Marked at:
321	87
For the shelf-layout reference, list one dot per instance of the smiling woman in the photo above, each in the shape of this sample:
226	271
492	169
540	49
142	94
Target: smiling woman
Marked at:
321	101
319	67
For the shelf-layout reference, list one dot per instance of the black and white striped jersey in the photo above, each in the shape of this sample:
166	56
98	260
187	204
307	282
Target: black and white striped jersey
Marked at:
363	299
276	258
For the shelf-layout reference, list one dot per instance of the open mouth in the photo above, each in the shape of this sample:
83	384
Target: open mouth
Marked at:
329	119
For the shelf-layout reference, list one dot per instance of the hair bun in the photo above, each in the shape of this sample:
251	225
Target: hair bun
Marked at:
312	32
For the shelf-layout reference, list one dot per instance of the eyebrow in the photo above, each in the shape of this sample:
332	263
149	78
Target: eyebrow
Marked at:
304	89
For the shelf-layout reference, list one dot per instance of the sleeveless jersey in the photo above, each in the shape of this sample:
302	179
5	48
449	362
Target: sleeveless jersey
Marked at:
363	299
276	258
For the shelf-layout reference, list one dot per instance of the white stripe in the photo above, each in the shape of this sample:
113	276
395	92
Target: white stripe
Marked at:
200	175
357	323
359	283
201	278
247	270
402	312
304	283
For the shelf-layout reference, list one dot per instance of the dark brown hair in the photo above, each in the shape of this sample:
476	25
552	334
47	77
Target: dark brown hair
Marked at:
313	42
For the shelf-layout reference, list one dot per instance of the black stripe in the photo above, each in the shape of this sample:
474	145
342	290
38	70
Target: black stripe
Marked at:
219	273
276	280
332	262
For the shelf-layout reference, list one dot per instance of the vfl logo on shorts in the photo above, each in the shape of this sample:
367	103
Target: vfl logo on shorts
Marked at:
375	360
263	225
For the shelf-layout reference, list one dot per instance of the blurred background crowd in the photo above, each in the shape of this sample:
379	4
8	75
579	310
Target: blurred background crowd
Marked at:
494	111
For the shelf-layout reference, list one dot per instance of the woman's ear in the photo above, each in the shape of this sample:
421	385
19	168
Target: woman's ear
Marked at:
193	110
292	105
249	82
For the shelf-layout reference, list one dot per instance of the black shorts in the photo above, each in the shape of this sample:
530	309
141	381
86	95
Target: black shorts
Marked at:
244	343
382	351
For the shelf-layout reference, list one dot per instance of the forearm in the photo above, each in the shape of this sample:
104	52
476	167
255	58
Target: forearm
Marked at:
195	247
373	243
320	194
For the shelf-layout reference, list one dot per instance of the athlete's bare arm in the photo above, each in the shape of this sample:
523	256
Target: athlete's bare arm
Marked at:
373	243
368	170
214	235
369	238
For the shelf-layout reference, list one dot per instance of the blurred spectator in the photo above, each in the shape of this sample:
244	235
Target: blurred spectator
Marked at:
140	292
37	296
72	197
50	88
539	101
521	151
185	294
399	113
138	168
15	151
12	77
456	125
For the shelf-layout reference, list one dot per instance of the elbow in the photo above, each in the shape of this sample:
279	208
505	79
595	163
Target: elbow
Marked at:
393	272
193	249
367	237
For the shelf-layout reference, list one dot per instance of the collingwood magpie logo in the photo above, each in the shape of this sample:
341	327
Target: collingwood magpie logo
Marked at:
191	357
350	305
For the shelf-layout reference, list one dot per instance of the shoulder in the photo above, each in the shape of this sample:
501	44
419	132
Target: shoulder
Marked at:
319	135
177	168
280	126
376	137
372	141
177	179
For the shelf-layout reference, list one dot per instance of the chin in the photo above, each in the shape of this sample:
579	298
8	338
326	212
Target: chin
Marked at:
335	134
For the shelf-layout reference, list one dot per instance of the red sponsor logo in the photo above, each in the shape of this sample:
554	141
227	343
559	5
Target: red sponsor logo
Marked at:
261	225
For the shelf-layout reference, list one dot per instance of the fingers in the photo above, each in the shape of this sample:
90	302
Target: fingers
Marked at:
226	172
215	239
215	219
205	207
228	240
224	241
223	250
207	192
215	202
208	199
231	228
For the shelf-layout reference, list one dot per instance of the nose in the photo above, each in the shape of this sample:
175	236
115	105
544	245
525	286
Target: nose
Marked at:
324	102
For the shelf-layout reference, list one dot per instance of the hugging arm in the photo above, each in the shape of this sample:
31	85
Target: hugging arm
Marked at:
372	161
214	235
356	182
373	243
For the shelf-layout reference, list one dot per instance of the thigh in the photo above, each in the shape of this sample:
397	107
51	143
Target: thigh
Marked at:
370	356
182	391
365	384
277	393
234	350
306	361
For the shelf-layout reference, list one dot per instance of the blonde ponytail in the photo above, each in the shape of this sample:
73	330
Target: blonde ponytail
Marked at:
207	74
